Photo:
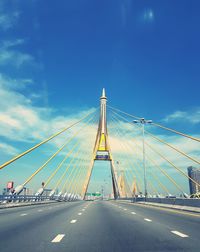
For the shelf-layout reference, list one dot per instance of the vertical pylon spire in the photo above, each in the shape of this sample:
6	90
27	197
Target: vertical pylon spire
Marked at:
103	93
102	144
103	101
101	148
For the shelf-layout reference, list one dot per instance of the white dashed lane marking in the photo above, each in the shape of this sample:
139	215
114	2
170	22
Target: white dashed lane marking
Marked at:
79	213
133	212
73	221
125	209
40	210
24	214
148	220
58	238
179	234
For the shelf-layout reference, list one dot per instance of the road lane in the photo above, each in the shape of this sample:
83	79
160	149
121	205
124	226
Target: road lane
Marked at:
34	231
103	226
185	222
10	217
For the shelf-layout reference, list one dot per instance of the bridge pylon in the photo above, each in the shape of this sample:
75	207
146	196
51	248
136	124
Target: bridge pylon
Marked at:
102	151
123	187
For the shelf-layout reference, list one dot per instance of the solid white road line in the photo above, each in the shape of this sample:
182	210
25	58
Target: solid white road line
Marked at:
58	238
73	221
24	214
179	234
79	213
133	212
148	220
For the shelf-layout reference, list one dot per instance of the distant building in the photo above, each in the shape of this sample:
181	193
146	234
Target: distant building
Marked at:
194	174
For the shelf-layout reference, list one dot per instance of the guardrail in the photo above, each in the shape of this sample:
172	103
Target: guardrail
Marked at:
194	202
5	199
22	198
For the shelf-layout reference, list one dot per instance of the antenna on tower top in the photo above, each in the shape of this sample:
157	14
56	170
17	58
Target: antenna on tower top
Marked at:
103	93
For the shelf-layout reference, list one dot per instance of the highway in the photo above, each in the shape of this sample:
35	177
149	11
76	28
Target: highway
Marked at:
97	226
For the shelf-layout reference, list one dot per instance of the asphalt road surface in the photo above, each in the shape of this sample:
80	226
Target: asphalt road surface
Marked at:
98	226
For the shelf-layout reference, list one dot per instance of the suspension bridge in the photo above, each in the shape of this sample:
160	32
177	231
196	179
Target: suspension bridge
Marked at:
148	166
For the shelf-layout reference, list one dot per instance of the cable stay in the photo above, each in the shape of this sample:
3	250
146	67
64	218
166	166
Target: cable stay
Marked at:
172	164
127	159
158	125
44	141
65	158
157	165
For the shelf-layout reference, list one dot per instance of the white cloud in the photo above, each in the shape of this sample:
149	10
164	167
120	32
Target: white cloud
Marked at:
8	20
133	144
8	149
10	96
148	16
22	121
9	55
11	43
184	116
15	58
185	145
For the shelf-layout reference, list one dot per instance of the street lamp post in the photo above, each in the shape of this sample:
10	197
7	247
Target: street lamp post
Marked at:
102	192
142	121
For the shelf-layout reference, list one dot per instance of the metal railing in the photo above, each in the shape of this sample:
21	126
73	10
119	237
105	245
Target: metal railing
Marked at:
5	199
22	198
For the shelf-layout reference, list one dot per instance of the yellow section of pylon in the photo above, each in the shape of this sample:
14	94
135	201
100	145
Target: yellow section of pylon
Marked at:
134	188
121	182
102	143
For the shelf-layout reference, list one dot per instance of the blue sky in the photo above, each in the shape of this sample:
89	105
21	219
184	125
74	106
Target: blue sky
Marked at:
55	58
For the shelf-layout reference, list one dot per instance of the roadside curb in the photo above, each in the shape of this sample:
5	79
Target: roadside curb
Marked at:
169	206
177	207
